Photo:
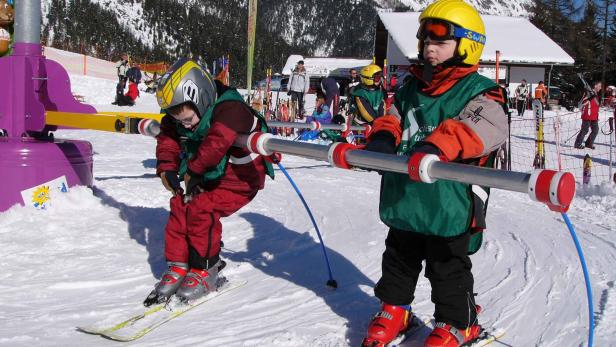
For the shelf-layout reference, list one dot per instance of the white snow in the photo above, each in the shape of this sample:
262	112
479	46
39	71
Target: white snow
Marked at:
525	44
96	253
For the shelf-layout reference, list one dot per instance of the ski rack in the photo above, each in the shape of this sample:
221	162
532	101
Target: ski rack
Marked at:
553	188
315	125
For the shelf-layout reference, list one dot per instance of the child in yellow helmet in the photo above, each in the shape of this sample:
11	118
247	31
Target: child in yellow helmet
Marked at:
446	109
367	99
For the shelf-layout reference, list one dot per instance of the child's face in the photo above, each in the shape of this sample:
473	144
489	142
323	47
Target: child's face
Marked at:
187	117
320	101
437	52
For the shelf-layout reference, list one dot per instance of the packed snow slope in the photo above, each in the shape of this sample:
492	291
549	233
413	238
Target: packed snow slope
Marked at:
97	252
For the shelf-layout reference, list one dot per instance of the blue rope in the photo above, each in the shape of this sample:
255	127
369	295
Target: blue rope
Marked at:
331	282
591	314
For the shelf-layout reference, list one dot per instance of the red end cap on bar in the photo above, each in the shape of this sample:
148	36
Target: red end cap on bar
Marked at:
566	190
554	188
256	143
413	166
337	154
253	139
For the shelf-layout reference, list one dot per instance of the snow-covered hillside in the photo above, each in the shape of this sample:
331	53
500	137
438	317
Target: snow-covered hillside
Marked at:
96	253
503	8
293	22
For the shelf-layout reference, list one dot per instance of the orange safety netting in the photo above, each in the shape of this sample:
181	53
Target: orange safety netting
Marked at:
159	68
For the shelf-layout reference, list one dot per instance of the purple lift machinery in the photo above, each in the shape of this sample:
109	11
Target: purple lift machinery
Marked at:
30	85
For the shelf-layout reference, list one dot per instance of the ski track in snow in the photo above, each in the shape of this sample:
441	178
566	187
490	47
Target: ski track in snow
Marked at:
96	253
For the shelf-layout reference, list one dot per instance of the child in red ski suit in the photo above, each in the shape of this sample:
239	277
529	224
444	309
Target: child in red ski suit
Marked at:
203	119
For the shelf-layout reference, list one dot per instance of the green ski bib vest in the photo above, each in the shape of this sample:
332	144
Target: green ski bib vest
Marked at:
443	208
374	97
194	138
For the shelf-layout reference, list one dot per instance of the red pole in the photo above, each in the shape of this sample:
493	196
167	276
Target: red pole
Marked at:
497	65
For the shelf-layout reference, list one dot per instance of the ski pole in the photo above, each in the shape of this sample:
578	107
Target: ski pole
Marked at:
331	282
570	137
578	247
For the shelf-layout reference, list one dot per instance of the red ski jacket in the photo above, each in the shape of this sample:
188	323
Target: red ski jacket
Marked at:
245	172
133	91
590	110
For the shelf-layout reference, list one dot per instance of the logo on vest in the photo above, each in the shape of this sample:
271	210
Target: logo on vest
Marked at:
410	125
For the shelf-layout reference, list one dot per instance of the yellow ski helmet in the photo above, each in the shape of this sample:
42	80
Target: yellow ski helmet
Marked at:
371	75
465	23
186	82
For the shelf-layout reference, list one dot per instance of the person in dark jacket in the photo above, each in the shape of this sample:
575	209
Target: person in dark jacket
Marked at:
203	118
134	73
354	81
331	90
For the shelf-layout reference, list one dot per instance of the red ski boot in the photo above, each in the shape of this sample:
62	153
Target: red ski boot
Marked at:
445	335
387	325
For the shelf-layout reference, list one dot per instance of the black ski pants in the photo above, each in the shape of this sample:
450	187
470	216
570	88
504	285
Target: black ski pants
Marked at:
594	130
448	267
299	98
520	106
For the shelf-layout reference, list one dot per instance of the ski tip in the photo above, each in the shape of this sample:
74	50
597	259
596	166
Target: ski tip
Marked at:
87	330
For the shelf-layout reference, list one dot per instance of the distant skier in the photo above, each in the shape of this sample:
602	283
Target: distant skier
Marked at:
354	81
541	93
590	118
299	84
203	119
449	110
122	67
521	97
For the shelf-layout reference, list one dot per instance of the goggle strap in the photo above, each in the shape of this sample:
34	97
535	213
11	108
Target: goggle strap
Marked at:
469	34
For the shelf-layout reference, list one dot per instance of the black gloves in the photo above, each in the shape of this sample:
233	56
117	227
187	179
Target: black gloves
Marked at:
192	181
382	142
338	119
425	147
171	181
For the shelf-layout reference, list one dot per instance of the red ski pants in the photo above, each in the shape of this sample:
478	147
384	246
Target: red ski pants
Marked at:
194	231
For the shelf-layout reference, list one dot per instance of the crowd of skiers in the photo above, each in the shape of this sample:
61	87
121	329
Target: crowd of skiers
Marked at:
128	73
